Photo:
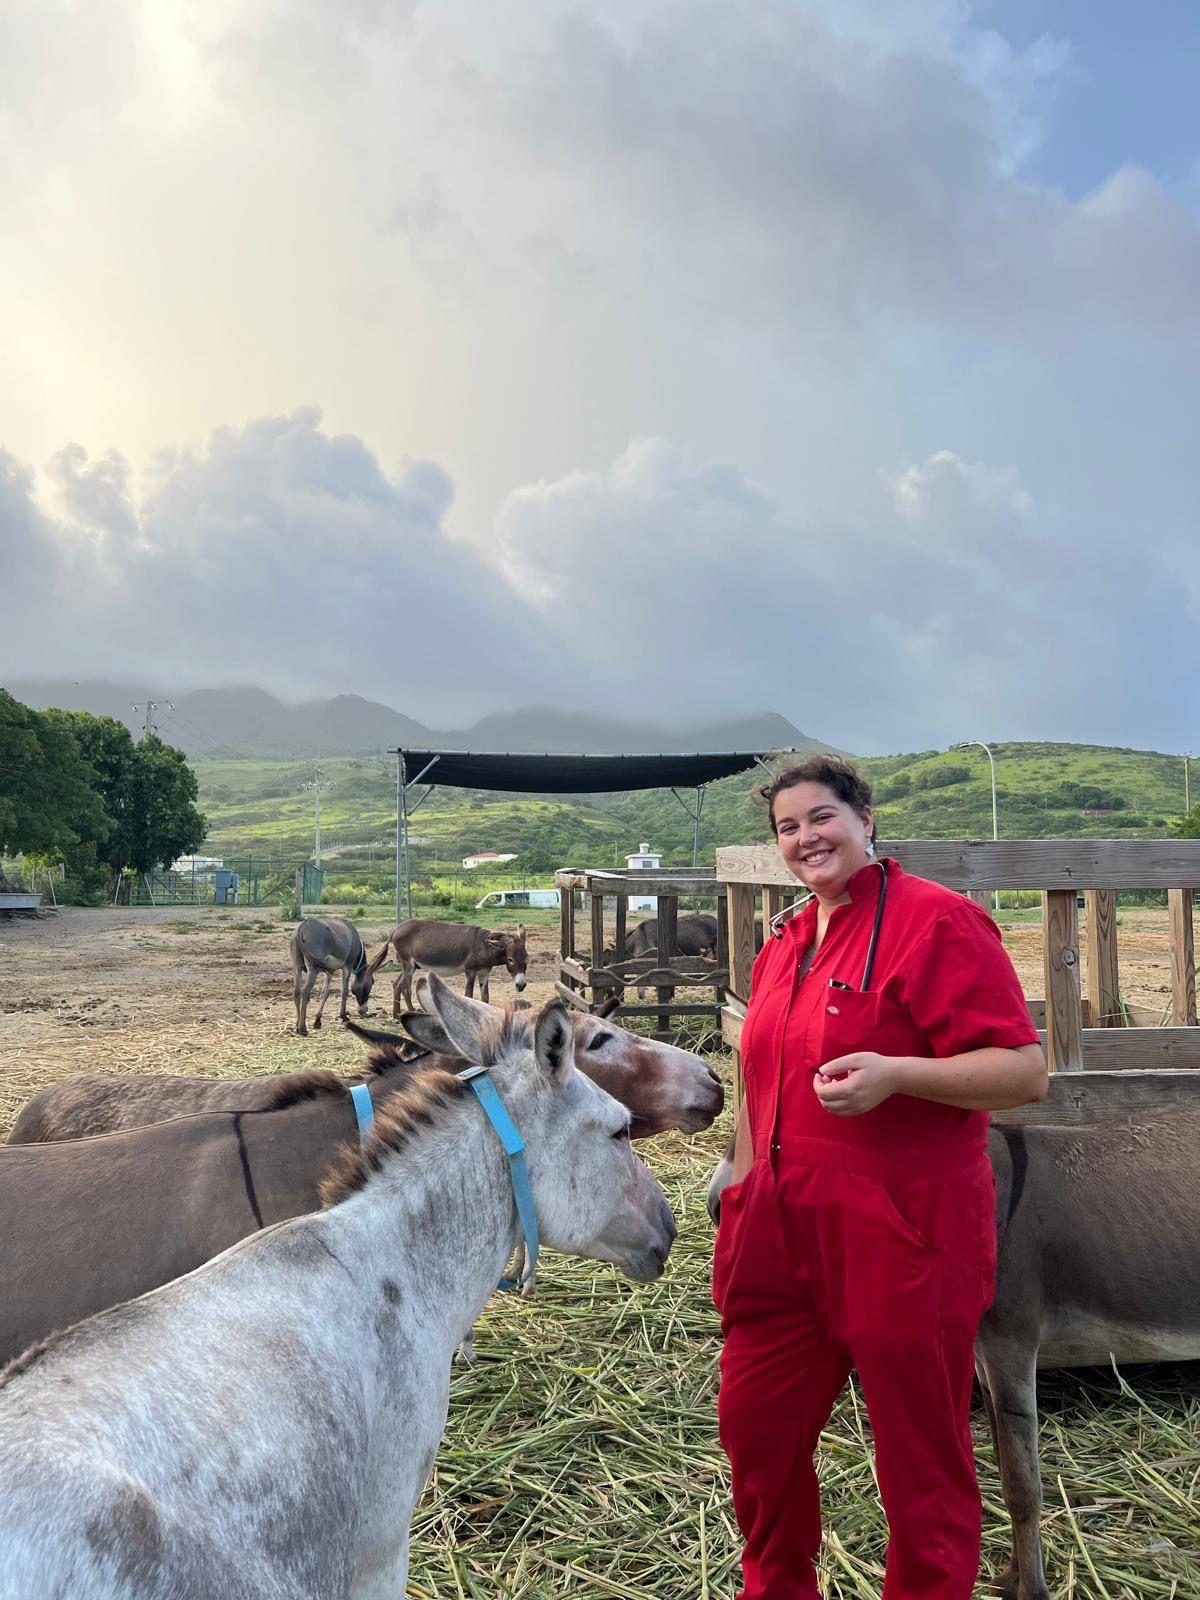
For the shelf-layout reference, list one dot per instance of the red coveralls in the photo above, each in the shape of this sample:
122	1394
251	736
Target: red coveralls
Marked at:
865	1242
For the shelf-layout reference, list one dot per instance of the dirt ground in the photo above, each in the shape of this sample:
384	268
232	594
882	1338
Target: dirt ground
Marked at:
209	990
185	989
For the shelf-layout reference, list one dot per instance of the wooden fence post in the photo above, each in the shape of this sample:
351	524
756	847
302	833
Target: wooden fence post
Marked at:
1064	1007
1183	958
566	902
598	994
667	915
772	905
1104	994
741	962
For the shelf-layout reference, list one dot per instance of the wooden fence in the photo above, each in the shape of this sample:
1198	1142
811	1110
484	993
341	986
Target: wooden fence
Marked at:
591	971
1102	1070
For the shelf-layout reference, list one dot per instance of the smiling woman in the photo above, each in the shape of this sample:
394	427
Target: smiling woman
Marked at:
885	1019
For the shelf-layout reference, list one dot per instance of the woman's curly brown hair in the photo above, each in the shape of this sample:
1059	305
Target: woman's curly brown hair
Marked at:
835	773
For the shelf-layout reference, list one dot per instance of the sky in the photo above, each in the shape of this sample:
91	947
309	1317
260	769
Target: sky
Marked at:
829	357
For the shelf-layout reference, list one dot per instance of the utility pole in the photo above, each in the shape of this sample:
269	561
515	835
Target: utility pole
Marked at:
147	709
316	784
1187	788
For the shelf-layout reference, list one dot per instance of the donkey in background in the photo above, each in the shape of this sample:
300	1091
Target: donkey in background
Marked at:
212	1438
328	945
447	948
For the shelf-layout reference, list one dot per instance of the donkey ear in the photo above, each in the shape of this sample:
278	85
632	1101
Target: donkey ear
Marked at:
554	1040
465	1021
428	1031
520	930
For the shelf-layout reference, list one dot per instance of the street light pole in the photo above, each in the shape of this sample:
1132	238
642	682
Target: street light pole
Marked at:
995	817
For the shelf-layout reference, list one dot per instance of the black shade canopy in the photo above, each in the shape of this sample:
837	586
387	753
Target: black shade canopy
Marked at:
554	774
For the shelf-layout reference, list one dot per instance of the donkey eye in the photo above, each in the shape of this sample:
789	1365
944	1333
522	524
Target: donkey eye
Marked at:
600	1041
622	1132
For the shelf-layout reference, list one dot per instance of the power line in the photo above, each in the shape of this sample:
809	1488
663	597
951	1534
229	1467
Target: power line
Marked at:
216	745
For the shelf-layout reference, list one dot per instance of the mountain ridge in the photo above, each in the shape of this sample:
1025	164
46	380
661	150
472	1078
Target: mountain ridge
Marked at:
249	722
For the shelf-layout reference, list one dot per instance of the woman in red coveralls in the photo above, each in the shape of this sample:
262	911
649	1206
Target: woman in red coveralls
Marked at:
859	1228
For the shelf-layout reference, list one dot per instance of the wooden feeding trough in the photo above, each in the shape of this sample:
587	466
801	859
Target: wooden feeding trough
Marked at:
1101	1068
593	970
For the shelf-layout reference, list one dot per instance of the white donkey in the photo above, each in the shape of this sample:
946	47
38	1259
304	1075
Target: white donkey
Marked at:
261	1429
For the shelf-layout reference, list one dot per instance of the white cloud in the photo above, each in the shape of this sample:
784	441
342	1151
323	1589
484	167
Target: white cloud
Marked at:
798	236
965	512
280	555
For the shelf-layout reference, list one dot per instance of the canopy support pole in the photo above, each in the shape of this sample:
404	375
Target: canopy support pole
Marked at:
695	816
403	812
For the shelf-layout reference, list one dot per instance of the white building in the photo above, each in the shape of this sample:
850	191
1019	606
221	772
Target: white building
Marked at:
646	860
486	858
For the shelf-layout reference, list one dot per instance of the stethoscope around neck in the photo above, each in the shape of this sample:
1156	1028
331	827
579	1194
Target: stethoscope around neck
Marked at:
777	921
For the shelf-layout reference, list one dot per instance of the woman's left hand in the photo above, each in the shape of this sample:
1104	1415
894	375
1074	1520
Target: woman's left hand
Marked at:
855	1083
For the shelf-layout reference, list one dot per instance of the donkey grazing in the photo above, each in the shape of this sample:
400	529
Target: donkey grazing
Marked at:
213	1439
1098	1257
663	1087
448	948
328	945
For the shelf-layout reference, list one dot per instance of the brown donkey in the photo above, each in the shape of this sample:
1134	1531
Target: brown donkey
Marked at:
89	1223
664	1087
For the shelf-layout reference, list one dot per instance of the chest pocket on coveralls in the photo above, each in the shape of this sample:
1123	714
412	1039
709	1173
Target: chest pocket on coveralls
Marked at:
851	1022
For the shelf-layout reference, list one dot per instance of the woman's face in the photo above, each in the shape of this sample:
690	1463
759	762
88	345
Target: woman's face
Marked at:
822	840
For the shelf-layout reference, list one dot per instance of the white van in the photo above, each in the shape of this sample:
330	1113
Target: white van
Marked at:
546	899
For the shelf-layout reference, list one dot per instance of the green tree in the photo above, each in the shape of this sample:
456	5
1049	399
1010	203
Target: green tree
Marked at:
49	804
148	791
1188	826
163	822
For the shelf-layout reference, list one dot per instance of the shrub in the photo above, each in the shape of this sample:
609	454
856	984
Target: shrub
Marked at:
1084	797
941	776
892	789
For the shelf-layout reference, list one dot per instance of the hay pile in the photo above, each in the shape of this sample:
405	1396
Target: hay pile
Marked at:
581	1456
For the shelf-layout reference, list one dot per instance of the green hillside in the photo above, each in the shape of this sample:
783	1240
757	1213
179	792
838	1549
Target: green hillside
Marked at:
1043	790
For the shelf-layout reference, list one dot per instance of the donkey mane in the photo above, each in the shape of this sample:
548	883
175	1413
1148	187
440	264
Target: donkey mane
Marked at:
418	1104
30	1357
312	1085
512	1031
298	1086
387	1057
